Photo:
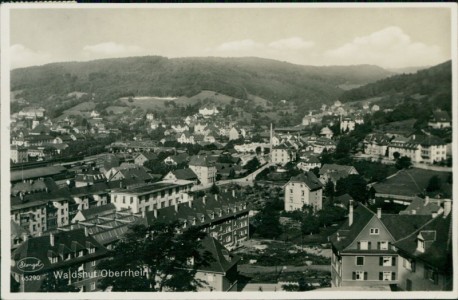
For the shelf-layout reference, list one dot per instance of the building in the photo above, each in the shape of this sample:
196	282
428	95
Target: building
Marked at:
426	262
223	216
129	172
203	168
208	110
234	134
282	154
89	177
308	163
303	189
376	144
151	196
143	157
433	149
334	172
181	174
220	275
179	159
72	252
363	251
420	149
440	119
32	112
94	212
326	132
19	154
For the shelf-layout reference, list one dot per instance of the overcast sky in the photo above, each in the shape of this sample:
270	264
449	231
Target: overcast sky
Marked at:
388	37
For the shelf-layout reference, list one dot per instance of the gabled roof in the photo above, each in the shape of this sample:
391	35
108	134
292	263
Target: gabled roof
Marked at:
222	260
440	116
419	206
64	243
310	180
99	211
438	252
180	158
147	155
198	160
184	174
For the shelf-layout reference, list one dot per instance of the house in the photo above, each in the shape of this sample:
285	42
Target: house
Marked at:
425	256
309	119
433	149
180	128
347	124
151	196
143	157
282	155
335	172
200	128
208	110
303	189
133	172
224	216
18	154
234	134
321	144
420	149
203	168
182	174
440	119
420	206
326	132
375	108
32	112
73	252
363	251
18	235
179	159
308	163
185	138
220	275
86	197
376	144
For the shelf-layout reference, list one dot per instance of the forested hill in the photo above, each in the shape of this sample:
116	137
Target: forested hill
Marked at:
110	79
434	82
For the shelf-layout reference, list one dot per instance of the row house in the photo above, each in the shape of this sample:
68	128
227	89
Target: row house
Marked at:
223	216
41	211
303	189
363	249
71	253
151	196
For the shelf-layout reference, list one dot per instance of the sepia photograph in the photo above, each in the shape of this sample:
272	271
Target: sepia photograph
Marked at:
270	150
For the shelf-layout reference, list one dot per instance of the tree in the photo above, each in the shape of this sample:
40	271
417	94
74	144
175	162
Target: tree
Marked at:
268	223
329	189
214	189
170	259
354	185
403	162
252	165
396	155
434	184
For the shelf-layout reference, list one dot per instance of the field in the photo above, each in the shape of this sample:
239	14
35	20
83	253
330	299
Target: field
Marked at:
84	106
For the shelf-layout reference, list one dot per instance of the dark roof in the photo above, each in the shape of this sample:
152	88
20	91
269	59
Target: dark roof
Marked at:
347	234
432	140
202	161
421	207
328	168
180	158
184	174
402	225
344	199
309	179
64	243
440	116
36	172
98	210
438	252
148	155
222	260
40	198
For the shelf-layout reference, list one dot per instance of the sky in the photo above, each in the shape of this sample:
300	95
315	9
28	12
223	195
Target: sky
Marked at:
387	37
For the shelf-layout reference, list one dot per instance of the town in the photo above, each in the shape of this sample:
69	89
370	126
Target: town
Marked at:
225	194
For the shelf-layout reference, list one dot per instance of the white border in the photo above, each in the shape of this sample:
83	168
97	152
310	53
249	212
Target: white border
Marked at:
5	158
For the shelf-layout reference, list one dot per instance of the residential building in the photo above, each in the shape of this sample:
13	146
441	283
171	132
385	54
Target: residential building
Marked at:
73	252
420	149
282	154
308	163
203	168
143	157
89	177
362	249
151	196
94	212
376	144
426	256
220	275
440	119
208	110
129	172
223	216
335	172
303	189
18	154
32	112
179	159
181	174
234	134
420	206
185	138
326	132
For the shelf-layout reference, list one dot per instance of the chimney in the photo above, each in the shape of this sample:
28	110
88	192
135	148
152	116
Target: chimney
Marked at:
379	212
155	213
233	193
120	184
447	207
86	233
350	213
51	239
204	200
25	237
176	206
143	214
216	197
426	200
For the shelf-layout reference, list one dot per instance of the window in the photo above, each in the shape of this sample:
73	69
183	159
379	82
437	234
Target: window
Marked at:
364	245
431	274
374	231
387	276
387	261
360	260
92	286
210	277
359	275
123	199
80	253
383	245
93	263
421	245
91	250
53	259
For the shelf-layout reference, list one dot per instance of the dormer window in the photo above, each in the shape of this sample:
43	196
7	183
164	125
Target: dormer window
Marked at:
374	231
194	221
421	245
202	219
190	261
185	223
80	253
212	215
53	259
91	250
